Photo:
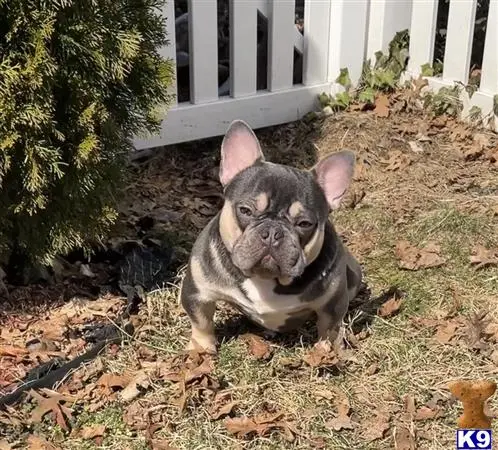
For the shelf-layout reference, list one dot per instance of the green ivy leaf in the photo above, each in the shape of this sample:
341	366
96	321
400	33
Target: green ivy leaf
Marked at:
341	101
427	70
367	95
343	78
324	99
438	68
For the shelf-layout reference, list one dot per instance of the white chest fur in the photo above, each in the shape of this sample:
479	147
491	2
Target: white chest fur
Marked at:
263	305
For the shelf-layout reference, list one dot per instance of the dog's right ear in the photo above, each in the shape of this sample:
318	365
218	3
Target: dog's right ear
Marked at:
240	149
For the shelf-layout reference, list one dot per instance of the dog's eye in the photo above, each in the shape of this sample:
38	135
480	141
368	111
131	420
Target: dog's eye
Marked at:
304	224
245	211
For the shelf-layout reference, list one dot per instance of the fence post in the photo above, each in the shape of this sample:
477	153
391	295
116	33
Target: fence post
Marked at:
281	44
459	37
387	17
203	43
169	51
422	34
316	41
243	47
489	75
348	27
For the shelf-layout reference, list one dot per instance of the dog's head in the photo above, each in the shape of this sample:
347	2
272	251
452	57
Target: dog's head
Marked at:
274	216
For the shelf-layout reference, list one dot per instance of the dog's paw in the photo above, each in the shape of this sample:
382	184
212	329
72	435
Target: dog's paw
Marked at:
204	347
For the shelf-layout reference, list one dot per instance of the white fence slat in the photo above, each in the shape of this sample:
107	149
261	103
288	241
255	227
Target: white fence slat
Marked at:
169	51
387	17
459	40
489	74
348	25
281	43
189	122
316	41
243	47
422	34
203	43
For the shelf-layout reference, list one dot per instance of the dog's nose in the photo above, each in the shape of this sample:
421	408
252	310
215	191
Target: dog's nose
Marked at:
277	235
272	236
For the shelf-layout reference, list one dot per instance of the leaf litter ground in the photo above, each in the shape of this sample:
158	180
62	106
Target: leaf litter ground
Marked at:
421	217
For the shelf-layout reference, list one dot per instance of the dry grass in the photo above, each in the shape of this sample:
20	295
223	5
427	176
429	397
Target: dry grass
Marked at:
437	197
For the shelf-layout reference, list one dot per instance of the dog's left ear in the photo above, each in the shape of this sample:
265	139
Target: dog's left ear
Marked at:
240	149
334	174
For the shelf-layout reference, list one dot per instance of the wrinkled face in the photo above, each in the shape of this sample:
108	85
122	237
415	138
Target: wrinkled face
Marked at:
274	216
273	220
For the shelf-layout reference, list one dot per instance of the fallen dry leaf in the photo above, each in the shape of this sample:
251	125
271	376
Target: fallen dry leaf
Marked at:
397	161
222	405
482	257
111	381
161	444
376	428
446	332
52	403
12	351
257	346
194	373
342	421
260	424
93	431
494	357
413	258
491	331
382	106
321	355
224	410
475	331
135	415
426	413
135	387
38	443
403	439
437	401
391	306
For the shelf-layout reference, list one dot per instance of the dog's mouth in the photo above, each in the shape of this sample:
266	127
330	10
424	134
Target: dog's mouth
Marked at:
267	267
270	268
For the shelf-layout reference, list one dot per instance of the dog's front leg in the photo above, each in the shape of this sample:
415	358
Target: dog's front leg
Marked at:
201	314
329	322
200	309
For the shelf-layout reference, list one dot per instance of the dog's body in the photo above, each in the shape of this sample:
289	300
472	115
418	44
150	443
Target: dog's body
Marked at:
271	251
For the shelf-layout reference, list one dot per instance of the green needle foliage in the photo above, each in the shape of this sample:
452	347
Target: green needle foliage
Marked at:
78	79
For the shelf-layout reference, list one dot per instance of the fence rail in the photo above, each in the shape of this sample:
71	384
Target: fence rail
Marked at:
337	34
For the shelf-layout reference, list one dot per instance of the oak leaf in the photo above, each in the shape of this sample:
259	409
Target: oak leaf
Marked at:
321	355
92	431
482	257
382	106
38	443
403	439
376	428
222	405
257	346
52	403
342	421
413	258
391	306
260	424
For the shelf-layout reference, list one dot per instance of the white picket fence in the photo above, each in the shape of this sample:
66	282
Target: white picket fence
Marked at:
337	34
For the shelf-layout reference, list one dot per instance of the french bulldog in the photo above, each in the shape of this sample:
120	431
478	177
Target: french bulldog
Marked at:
272	252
